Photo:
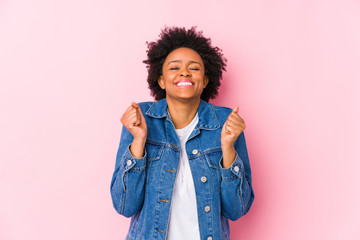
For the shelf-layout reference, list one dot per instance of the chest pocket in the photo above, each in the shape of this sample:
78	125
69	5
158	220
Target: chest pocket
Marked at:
213	157
154	152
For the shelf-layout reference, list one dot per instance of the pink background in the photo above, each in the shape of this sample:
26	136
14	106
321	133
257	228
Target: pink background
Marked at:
69	69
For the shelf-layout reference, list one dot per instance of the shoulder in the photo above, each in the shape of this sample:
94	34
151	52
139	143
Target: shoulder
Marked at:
221	112
219	108
145	105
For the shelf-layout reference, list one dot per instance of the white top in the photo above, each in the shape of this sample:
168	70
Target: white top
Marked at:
183	222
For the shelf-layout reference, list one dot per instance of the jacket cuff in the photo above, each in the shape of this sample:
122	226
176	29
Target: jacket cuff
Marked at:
132	163
235	170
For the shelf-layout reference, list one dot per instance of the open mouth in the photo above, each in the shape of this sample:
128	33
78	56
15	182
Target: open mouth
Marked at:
182	84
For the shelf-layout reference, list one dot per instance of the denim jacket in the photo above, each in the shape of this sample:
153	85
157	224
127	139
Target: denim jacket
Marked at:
141	188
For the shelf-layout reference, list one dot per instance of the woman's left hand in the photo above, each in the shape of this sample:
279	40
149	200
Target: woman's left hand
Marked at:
231	130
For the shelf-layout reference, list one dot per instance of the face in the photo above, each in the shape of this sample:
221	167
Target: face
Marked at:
183	75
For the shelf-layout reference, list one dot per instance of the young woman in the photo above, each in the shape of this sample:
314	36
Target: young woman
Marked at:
182	168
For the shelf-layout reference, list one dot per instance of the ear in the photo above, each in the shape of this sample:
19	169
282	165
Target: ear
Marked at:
206	81
161	82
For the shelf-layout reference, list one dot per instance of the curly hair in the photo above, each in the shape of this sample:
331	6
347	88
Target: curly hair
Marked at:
172	38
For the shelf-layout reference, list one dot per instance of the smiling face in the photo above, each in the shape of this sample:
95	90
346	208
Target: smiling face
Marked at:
183	75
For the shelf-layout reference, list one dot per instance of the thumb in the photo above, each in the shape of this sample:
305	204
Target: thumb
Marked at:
139	111
135	105
236	109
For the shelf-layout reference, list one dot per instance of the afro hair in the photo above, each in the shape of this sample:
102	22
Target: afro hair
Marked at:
172	38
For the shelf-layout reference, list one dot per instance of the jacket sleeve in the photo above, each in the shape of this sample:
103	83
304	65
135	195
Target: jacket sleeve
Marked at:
237	193
127	183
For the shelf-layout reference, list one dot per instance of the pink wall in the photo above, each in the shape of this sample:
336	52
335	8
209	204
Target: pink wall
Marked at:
69	69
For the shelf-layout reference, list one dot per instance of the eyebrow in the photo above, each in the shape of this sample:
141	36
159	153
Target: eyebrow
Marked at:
180	61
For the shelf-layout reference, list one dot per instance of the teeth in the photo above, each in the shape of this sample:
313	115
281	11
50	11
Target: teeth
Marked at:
184	83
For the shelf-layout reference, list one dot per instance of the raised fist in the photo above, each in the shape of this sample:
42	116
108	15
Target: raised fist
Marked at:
232	128
134	122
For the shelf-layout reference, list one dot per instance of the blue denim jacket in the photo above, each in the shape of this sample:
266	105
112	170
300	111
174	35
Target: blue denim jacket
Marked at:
141	188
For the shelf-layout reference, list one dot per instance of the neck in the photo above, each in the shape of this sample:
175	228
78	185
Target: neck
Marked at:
182	112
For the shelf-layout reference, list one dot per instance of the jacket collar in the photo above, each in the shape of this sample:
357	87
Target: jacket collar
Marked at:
206	112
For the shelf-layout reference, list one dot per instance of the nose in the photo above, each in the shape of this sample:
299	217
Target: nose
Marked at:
185	72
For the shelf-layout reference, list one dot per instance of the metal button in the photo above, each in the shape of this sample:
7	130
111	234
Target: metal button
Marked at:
207	209
128	162
236	169
209	238
203	179
195	151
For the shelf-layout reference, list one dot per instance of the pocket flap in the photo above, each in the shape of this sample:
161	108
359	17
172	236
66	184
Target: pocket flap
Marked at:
154	150
213	157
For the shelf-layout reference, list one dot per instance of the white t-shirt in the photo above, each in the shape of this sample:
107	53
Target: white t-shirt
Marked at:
183	222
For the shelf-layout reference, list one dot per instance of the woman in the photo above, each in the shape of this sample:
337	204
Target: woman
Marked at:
182	168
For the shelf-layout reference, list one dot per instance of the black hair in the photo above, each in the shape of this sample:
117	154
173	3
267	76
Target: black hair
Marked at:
172	38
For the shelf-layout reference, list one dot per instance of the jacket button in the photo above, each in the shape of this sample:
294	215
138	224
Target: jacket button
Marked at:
207	209
128	162
195	151
236	169
209	238
203	179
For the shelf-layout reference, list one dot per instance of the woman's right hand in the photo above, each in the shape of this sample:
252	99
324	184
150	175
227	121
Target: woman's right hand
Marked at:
135	123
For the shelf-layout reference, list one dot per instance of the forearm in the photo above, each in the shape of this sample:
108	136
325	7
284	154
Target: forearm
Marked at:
127	187
229	154
237	193
127	184
236	196
137	147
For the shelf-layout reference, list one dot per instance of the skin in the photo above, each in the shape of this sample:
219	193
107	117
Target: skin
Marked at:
183	64
183	103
